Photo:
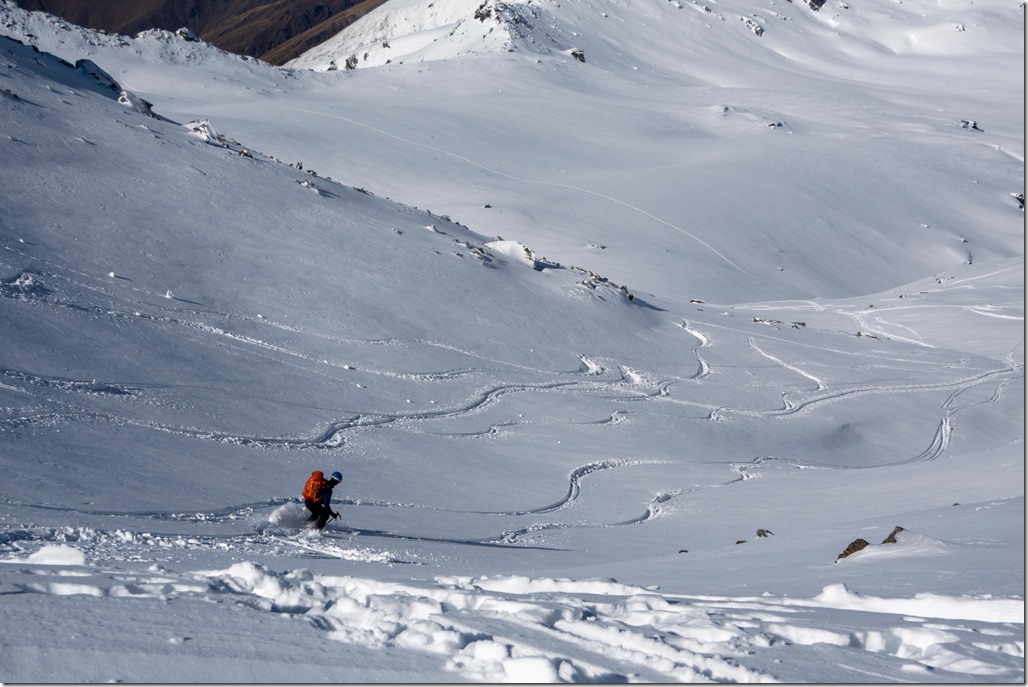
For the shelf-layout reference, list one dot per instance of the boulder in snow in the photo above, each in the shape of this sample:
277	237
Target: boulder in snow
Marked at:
854	546
141	106
891	539
91	69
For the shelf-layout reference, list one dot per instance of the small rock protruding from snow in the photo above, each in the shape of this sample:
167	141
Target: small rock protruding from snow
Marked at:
129	99
891	539
854	546
753	26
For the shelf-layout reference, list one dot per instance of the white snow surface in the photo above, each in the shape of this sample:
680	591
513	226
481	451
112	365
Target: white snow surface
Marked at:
622	320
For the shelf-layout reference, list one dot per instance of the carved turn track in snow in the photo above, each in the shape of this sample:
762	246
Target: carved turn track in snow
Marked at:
701	341
820	385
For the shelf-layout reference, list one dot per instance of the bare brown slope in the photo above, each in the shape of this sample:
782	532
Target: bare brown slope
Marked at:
129	17
284	29
273	30
299	44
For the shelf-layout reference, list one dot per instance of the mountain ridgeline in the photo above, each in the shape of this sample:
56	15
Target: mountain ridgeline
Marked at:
275	31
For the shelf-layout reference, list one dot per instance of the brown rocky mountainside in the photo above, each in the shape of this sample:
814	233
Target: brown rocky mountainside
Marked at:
273	30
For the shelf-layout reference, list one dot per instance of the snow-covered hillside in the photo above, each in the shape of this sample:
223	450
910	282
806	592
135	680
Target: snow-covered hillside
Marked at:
411	29
617	353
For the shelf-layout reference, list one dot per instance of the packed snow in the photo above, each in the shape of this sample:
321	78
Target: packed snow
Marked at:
656	341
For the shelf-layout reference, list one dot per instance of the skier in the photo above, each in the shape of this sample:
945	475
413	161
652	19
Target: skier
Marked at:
317	497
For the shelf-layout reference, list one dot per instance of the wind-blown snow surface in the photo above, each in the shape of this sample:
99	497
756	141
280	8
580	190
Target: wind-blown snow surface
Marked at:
547	476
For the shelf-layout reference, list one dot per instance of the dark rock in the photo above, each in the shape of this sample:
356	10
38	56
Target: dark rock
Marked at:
141	106
891	539
855	545
483	12
90	68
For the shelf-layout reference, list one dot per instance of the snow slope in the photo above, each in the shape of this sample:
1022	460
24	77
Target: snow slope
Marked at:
610	411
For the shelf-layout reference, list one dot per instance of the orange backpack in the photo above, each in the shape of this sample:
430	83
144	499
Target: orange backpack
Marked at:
313	486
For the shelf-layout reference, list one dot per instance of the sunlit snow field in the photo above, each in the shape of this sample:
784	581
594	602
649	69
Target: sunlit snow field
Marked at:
622	321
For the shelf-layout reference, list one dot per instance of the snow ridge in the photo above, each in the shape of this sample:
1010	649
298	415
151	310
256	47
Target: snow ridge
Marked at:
422	30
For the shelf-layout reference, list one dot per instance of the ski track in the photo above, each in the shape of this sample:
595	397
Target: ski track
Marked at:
749	470
332	436
938	446
881	327
573	492
236	512
329	438
553	184
862	355
990	311
133	544
517	535
652	510
701	341
507	627
943	435
258	541
42	293
574	487
252	511
786	305
594	375
791	408
820	385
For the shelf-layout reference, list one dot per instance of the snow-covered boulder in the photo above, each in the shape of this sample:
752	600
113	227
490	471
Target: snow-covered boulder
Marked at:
187	35
132	100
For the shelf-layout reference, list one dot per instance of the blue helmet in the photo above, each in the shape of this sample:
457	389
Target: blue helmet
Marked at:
337	476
